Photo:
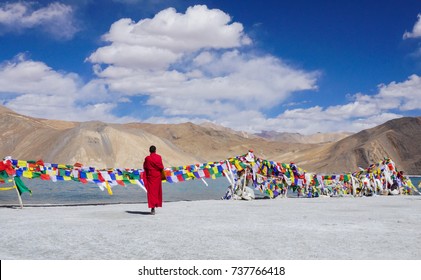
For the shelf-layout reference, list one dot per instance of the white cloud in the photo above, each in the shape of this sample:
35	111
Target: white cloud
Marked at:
365	111
33	88
55	19
241	81
63	108
203	58
24	76
132	56
405	96
416	30
316	119
193	65
160	41
198	28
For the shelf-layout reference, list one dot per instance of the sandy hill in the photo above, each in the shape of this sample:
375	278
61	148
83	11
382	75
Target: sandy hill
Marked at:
316	138
210	144
397	139
125	145
229	130
91	143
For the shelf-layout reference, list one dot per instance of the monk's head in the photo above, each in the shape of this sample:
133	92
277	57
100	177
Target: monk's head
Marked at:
152	149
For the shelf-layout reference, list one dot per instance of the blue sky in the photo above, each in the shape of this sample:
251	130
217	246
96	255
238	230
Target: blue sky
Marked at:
294	66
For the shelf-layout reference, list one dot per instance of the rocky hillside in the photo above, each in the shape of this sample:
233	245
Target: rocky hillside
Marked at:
316	138
125	145
398	139
210	144
91	143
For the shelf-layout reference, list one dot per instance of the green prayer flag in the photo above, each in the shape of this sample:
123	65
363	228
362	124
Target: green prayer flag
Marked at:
21	186
4	175
346	178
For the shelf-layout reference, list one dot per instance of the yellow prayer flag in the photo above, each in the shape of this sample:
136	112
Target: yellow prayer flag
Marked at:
7	188
270	193
238	166
27	174
110	192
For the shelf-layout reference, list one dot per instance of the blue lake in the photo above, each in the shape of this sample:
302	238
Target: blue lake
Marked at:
69	192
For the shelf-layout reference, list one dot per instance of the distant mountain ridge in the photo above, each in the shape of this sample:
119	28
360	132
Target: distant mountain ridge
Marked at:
226	129
91	143
305	139
397	139
125	145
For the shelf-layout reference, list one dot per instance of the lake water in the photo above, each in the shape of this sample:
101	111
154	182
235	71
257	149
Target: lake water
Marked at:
69	192
416	181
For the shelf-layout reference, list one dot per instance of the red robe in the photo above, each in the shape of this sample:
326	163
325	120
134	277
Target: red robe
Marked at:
153	167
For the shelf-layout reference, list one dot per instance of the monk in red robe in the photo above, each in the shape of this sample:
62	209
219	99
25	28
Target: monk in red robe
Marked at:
153	167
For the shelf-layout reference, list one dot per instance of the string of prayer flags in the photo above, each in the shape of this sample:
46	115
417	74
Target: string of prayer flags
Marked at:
270	177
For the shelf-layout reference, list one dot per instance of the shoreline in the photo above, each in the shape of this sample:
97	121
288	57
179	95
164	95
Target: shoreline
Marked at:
186	200
345	228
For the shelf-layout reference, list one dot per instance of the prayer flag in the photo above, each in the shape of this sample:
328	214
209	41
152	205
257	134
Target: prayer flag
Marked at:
21	186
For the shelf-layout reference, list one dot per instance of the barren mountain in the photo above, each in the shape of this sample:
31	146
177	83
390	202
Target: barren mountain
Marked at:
316	138
90	143
398	139
209	144
125	145
229	130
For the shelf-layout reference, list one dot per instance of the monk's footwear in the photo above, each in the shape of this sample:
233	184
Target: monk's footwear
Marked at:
153	211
